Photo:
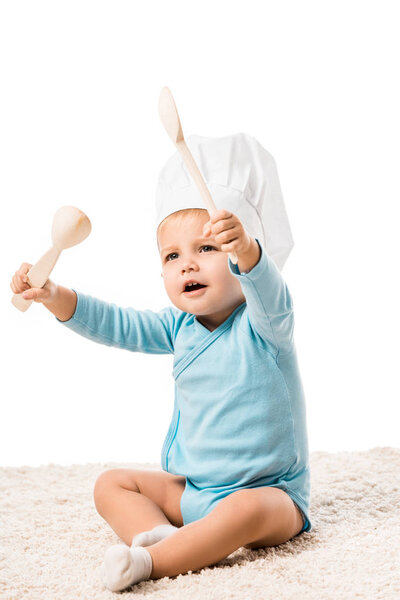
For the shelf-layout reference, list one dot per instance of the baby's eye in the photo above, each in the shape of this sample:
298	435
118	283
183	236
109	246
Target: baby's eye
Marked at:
172	253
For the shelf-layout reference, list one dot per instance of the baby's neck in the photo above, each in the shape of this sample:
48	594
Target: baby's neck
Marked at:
213	321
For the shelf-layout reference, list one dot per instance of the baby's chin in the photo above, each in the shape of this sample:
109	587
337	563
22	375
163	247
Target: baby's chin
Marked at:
202	308
195	306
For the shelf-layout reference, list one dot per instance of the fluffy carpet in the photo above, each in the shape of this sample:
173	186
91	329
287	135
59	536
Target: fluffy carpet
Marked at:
52	540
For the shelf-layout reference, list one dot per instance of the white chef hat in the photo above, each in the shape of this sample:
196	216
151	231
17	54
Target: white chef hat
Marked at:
241	177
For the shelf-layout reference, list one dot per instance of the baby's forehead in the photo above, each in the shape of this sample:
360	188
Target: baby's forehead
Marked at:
190	224
185	233
182	222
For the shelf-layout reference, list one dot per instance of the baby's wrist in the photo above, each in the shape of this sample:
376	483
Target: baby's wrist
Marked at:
53	290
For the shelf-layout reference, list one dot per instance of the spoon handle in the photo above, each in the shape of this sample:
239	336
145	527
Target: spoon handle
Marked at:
172	124
201	184
37	276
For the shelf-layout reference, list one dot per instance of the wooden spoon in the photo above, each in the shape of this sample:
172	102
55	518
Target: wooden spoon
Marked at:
70	227
170	120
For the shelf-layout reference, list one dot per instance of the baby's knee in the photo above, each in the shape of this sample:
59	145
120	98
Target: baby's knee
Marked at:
111	481
105	481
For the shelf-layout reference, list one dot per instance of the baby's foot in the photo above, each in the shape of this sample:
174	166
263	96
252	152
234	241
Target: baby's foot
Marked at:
146	538
123	566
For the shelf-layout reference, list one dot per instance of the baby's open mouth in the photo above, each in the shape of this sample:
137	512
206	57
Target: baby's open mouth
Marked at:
192	287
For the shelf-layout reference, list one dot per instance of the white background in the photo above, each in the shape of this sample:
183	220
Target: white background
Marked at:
316	83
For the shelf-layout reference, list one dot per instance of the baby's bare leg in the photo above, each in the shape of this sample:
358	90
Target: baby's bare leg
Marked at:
133	501
255	517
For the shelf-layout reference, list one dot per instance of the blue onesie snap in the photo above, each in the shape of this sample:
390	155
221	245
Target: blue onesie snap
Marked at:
239	416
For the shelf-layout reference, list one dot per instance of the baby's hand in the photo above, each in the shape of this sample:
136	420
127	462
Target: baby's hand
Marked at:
20	284
228	230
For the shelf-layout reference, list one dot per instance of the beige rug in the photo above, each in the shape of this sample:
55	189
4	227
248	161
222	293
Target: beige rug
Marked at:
52	540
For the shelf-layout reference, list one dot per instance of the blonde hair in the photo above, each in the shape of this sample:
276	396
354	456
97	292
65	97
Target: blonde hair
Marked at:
179	216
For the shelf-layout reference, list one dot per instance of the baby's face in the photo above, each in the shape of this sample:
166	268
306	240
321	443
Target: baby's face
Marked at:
185	254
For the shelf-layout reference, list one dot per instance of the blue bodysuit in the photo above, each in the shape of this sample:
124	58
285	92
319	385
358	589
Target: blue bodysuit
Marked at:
239	417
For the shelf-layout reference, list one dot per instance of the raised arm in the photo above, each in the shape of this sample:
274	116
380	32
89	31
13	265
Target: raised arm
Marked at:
126	328
268	300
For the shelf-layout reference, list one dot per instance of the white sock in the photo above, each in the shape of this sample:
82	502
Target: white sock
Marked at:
146	538
124	566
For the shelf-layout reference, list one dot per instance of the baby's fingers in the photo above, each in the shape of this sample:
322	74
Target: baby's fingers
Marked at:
19	281
23	270
36	294
17	284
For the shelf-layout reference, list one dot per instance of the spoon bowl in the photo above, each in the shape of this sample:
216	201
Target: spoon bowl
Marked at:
70	227
169	115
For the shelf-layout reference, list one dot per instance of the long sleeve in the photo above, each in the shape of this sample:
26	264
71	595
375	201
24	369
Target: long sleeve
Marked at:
269	303
126	328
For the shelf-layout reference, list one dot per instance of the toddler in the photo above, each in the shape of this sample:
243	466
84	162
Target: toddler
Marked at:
235	465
